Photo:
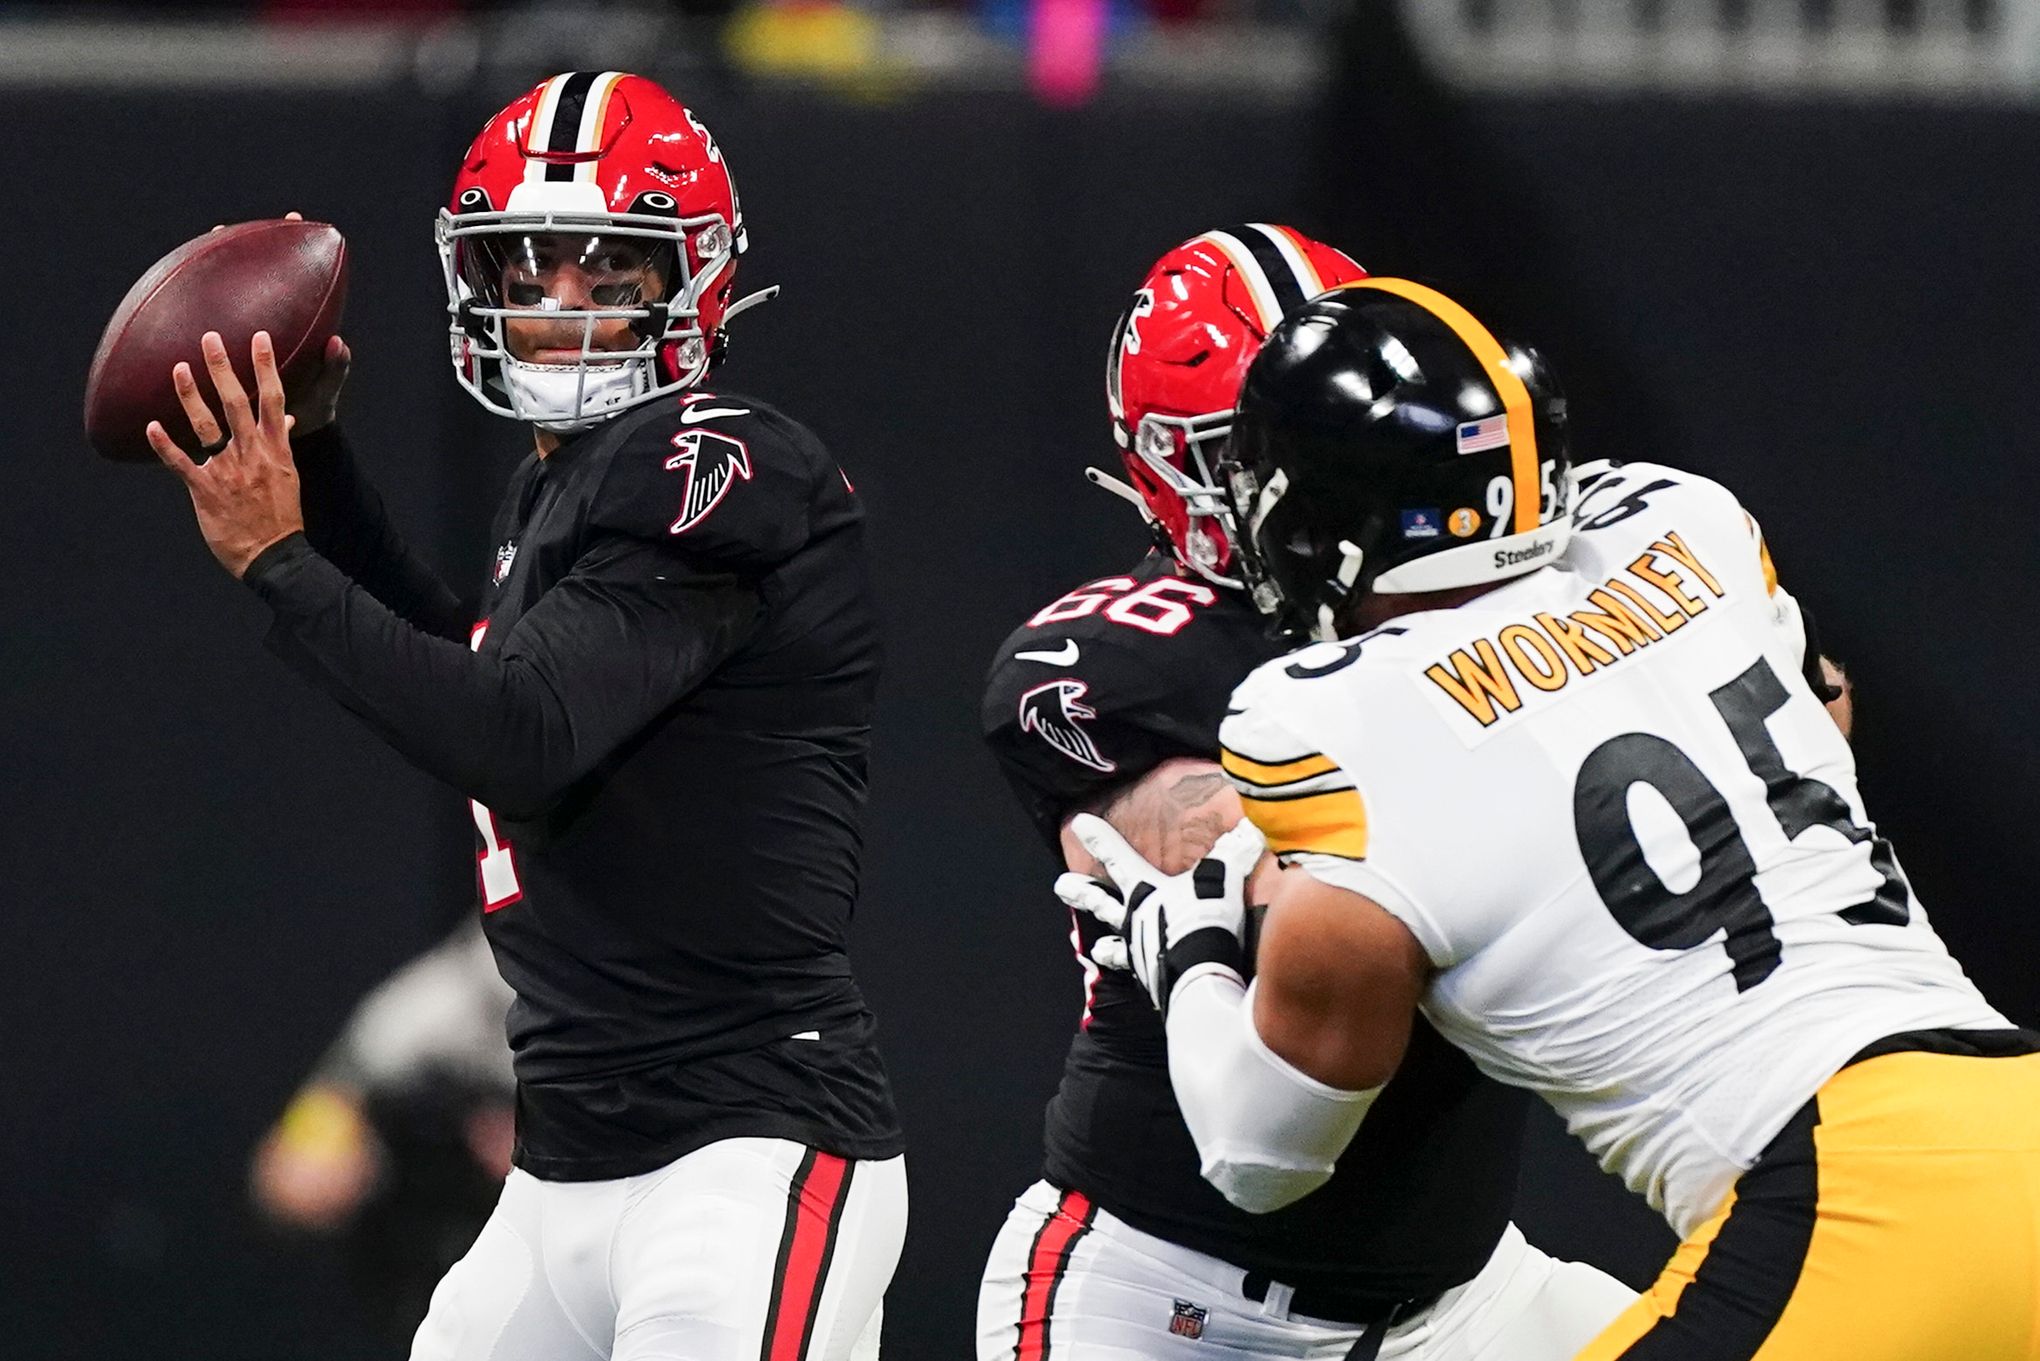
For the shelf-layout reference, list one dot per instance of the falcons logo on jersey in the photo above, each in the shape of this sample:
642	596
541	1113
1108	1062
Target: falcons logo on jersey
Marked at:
1054	710
712	461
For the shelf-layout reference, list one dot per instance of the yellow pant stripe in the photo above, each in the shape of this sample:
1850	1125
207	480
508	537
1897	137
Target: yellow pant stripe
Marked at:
1921	1243
1661	1301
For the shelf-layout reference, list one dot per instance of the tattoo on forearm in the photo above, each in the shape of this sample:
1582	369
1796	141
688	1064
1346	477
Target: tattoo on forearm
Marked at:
1174	822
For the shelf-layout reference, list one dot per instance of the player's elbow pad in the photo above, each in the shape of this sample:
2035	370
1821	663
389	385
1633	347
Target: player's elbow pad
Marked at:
1267	1134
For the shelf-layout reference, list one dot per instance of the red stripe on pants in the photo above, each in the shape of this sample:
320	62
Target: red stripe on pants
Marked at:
1045	1266
798	1290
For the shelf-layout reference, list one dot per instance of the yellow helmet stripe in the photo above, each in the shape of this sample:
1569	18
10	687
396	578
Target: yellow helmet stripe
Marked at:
1516	405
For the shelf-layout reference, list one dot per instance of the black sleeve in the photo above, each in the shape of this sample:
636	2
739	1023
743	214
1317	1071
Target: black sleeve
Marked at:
347	524
632	629
1068	737
727	481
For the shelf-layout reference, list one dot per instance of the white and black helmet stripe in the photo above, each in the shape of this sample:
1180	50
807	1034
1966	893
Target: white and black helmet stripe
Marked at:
568	100
1278	277
569	120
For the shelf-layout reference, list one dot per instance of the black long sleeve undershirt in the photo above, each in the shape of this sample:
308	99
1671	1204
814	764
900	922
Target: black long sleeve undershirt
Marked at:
629	632
347	524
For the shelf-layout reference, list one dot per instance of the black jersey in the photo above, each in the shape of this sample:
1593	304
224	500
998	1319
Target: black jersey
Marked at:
660	715
1084	699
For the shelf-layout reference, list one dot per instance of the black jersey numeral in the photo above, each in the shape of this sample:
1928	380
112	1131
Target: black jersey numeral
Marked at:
1800	802
1725	898
1349	653
1633	504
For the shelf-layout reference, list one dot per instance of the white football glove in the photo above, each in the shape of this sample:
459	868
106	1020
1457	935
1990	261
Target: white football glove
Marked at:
1171	927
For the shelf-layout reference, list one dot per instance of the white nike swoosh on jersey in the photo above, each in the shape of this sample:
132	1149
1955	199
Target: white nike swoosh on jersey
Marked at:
1066	655
690	414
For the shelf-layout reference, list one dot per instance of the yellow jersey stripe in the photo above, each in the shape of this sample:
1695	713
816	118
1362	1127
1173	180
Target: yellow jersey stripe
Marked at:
1332	823
1277	773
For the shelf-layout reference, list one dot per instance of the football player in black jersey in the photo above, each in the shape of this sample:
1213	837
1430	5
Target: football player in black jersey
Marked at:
1109	701
660	716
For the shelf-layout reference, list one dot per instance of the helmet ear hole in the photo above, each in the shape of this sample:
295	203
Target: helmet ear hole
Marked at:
1145	479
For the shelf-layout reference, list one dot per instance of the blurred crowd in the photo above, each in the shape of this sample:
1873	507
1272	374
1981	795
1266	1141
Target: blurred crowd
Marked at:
995	14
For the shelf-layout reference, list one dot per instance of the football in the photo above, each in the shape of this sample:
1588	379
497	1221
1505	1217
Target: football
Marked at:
285	277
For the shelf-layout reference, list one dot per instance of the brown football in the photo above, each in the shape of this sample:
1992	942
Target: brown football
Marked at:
286	278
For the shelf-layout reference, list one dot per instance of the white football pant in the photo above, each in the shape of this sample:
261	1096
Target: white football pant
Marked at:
746	1250
1059	1290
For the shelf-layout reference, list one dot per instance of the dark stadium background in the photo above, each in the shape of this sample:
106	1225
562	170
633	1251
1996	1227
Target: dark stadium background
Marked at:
1828	303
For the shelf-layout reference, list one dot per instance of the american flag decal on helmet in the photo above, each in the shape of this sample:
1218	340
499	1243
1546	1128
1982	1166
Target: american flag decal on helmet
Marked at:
712	462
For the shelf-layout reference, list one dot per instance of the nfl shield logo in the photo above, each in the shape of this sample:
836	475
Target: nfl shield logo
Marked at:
1187	1321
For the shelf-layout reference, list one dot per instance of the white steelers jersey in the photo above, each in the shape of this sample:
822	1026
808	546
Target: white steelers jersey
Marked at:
1624	829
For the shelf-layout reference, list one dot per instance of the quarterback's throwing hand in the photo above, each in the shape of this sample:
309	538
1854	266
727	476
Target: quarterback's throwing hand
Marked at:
1171	927
246	492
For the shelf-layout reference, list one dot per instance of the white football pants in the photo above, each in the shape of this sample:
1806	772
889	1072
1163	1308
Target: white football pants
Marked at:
746	1250
1092	1288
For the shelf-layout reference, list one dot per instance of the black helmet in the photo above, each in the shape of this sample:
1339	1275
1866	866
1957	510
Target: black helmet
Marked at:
1387	443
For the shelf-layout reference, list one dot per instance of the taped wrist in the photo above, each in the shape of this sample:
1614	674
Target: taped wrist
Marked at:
1267	1134
1207	950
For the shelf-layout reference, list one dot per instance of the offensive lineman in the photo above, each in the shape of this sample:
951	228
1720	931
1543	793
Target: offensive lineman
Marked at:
1558	781
1109	700
660	716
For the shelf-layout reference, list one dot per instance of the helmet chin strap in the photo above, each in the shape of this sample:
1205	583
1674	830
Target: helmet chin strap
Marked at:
1105	481
564	399
748	301
1350	558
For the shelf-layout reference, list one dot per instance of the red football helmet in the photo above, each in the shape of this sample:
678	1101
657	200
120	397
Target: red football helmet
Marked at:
607	172
1177	360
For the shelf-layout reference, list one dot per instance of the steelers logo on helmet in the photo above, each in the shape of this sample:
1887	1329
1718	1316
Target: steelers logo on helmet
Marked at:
1369	409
